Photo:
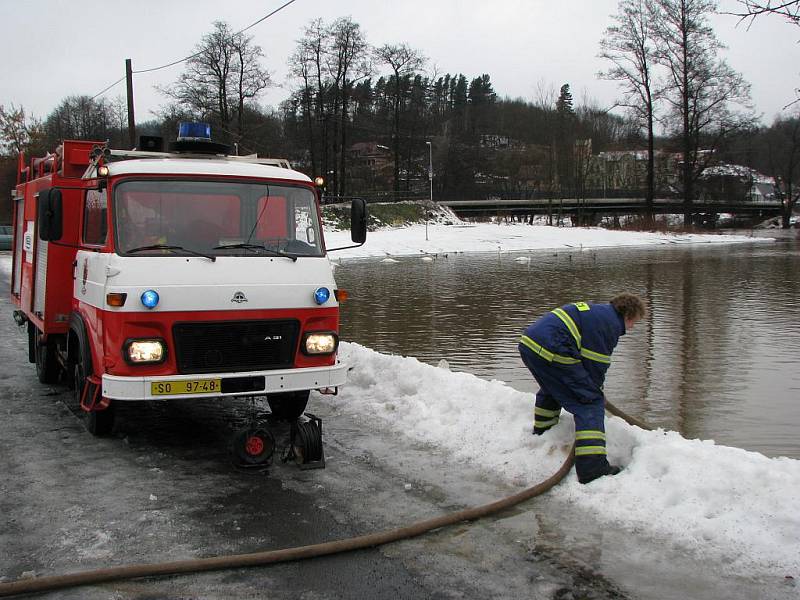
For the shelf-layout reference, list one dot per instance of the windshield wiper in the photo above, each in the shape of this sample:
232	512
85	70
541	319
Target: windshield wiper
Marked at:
170	247
245	245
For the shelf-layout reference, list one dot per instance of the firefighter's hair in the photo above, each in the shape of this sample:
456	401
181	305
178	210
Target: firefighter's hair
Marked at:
629	306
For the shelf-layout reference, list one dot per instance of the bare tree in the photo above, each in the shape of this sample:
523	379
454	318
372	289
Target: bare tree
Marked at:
307	64
546	95
82	118
17	130
349	64
629	45
328	61
402	60
783	153
221	77
750	9
790	11
700	88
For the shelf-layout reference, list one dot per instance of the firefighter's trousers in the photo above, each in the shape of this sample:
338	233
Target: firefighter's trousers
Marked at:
553	395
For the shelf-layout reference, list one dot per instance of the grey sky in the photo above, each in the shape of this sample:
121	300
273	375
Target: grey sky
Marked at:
55	48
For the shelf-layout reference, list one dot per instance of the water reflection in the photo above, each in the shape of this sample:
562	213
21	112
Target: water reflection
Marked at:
717	358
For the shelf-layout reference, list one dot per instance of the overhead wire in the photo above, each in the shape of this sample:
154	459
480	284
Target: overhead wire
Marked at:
191	56
101	92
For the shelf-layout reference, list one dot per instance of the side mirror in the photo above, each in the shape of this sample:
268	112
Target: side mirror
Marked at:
50	215
358	221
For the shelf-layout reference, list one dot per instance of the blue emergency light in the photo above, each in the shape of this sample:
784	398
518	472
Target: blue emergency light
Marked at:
150	298
193	131
321	295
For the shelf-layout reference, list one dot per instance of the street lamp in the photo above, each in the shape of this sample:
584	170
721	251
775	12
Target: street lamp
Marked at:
430	178
430	166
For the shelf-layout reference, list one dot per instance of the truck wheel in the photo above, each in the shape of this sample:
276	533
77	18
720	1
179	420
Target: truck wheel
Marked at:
288	406
31	343
100	422
47	369
97	422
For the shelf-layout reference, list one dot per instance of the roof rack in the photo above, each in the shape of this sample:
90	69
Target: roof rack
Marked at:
250	158
110	155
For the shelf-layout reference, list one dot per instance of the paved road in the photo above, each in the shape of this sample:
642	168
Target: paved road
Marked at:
163	488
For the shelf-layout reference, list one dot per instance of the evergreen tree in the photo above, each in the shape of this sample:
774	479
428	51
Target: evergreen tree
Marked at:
564	144
564	102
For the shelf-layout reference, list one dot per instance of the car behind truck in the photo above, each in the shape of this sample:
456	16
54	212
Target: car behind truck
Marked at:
147	275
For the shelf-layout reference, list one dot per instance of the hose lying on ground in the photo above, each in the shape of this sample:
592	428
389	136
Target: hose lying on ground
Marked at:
55	582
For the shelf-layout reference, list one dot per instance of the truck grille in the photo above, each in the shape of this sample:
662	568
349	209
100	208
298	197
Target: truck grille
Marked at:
228	346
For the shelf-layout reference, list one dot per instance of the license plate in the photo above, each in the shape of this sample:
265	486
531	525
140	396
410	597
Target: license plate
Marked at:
186	386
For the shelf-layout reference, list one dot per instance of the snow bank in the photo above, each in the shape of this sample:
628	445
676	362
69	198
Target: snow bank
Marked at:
723	504
507	237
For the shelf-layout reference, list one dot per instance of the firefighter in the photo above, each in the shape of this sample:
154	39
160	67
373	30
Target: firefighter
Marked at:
568	351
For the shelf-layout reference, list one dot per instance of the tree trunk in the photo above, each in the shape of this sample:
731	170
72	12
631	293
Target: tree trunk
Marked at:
688	156
396	136
309	113
651	168
343	156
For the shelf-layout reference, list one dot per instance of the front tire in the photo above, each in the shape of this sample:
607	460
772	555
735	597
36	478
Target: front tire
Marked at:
100	423
288	406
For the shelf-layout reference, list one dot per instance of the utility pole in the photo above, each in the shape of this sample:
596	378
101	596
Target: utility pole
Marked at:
131	120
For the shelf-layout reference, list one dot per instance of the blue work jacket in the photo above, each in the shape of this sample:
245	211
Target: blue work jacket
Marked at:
577	339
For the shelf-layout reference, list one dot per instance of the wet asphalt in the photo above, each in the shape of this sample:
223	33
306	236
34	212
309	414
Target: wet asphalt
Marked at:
163	487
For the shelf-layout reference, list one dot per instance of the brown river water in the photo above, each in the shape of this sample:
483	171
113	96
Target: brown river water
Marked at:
718	356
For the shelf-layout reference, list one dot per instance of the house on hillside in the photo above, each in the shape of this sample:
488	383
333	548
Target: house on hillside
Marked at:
726	182
626	171
370	154
371	166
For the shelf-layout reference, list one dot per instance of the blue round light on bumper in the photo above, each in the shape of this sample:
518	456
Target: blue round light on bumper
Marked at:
150	298
321	295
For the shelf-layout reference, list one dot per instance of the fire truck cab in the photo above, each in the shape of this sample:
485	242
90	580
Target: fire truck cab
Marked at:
147	275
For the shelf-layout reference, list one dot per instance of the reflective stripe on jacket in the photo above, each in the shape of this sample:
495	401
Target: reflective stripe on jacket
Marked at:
580	338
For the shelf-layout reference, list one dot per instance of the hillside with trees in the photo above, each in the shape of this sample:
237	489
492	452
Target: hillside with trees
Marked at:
374	118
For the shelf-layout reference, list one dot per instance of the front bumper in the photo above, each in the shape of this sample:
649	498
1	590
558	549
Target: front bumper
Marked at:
281	380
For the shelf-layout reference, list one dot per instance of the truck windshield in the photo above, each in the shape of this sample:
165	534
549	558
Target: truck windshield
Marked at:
215	218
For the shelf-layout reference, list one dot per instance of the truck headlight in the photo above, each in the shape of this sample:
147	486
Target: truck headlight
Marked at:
145	351
320	342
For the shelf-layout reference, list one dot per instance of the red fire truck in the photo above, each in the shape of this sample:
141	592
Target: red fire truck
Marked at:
148	275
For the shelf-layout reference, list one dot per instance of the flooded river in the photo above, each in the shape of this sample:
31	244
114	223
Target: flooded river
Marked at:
718	357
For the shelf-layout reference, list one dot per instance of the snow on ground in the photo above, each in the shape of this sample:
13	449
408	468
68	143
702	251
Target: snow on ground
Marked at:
736	508
724	505
506	237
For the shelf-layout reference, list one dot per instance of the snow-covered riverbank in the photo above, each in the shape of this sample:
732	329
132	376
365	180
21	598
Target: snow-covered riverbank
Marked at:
507	237
729	509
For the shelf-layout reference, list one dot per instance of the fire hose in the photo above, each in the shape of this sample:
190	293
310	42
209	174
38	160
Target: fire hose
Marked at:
57	582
